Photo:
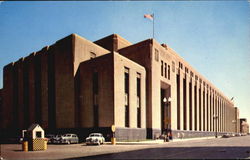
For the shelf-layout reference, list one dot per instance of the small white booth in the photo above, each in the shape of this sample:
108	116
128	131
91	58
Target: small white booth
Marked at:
35	138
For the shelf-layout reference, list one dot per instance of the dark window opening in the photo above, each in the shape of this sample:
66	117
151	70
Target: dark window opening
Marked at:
184	105
39	134
211	113
204	113
191	74
195	108
190	106
207	113
138	82
169	72
178	100
126	86
161	68
200	109
165	70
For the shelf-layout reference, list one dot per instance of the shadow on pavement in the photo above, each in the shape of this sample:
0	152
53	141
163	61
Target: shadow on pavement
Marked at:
178	153
18	150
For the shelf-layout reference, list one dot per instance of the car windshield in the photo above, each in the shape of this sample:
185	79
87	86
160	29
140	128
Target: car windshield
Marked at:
94	135
67	135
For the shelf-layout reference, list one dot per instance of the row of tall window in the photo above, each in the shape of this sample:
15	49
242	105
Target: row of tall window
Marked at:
138	98
165	70
202	116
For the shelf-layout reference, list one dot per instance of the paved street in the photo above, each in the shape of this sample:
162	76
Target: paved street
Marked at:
221	148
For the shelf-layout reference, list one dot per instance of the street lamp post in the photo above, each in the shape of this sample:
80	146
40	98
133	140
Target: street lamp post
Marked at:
215	120
166	123
166	102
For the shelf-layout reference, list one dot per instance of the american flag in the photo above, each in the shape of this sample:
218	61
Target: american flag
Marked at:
149	16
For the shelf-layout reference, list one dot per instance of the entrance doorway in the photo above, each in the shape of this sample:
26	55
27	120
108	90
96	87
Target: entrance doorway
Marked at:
165	107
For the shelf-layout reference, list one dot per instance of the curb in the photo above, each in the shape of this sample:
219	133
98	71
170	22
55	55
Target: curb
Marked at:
188	139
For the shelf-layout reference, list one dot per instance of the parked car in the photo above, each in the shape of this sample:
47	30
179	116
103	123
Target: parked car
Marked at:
95	138
237	134
69	138
50	137
225	136
56	139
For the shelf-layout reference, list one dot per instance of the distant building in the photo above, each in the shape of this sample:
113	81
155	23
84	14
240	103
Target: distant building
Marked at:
144	89
244	126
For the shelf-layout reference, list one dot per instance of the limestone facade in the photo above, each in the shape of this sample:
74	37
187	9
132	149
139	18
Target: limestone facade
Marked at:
143	89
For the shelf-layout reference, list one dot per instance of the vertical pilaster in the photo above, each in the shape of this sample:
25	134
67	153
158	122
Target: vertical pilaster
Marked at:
212	110
221	116
198	106
226	117
44	89
201	107
204	108
20	94
31	83
216	112
181	120
187	102
8	89
208	110
224	113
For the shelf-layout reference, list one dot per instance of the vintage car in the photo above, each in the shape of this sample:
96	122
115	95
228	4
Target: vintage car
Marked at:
56	139
95	138
50	137
69	138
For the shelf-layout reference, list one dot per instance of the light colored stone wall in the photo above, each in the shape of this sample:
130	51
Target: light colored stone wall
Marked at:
111	93
141	53
120	63
82	49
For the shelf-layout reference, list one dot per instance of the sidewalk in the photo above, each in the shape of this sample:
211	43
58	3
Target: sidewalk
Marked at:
188	139
146	142
159	141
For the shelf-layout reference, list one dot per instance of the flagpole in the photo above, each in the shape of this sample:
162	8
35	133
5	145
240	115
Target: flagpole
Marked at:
153	26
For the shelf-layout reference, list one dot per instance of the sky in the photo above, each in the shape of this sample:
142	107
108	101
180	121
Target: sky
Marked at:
212	36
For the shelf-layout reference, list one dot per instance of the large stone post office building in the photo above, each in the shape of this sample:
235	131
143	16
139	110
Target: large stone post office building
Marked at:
144	89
